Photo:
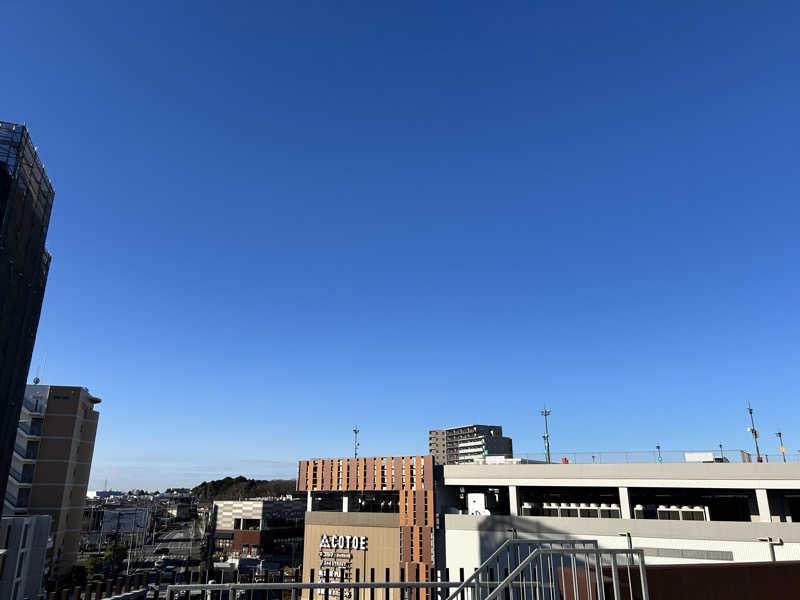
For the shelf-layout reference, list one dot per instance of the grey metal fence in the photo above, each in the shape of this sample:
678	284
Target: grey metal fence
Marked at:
658	456
91	592
508	556
517	570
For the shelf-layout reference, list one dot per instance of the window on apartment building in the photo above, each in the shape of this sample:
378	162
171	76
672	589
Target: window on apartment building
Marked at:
24	536
237	523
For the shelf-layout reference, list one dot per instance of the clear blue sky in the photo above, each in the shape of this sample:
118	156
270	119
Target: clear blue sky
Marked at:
275	221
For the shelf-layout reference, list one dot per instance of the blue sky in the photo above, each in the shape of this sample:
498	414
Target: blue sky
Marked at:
276	221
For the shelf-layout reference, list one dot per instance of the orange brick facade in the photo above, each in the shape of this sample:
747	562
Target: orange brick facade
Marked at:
410	476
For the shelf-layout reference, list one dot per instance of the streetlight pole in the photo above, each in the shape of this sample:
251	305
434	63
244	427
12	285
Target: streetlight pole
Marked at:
752	429
546	413
782	448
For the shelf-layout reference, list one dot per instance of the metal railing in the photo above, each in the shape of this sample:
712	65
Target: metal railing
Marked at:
517	570
92	593
545	574
508	557
549	573
369	590
656	456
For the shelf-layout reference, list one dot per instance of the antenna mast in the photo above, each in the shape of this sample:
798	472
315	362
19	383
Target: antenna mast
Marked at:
546	413
355	441
753	431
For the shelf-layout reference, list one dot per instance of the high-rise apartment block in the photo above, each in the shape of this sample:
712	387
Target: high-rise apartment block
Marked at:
26	198
468	444
52	457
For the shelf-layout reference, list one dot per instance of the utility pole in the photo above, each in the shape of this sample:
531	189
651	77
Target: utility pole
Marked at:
782	448
753	431
355	441
546	413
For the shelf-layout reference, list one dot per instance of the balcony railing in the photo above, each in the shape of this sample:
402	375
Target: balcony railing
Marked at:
26	453
30	429
17	503
20	477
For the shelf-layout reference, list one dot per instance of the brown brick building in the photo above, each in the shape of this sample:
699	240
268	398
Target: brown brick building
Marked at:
51	463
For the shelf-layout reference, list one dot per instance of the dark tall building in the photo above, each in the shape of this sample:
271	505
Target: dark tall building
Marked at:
26	198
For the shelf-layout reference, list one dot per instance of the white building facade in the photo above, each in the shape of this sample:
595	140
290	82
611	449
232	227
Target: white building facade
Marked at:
678	513
23	560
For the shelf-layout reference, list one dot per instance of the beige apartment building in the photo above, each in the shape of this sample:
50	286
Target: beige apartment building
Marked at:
50	465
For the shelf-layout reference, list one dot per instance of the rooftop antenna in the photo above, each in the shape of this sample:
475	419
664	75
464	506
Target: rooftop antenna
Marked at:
546	413
40	369
355	441
753	431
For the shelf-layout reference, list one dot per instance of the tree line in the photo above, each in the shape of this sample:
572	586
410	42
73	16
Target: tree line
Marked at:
233	488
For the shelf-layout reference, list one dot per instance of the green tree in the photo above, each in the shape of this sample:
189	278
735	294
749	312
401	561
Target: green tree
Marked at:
94	564
115	556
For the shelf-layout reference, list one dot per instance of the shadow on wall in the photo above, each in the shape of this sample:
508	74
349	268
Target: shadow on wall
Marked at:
567	566
716	581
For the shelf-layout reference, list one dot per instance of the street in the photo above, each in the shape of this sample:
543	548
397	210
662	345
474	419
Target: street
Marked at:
182	541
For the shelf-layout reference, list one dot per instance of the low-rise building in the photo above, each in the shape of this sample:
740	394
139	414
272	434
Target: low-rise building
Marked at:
258	527
402	519
102	494
180	511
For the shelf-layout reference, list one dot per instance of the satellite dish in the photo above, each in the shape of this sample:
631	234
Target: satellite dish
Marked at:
35	381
